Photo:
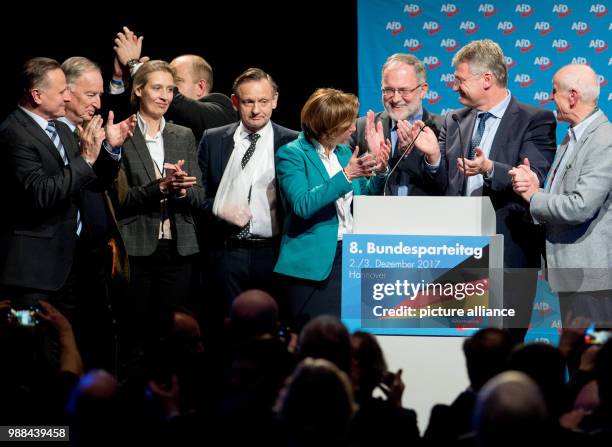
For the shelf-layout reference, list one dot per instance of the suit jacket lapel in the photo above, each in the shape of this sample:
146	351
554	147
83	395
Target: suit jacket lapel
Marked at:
504	132
39	134
227	143
141	149
171	149
312	155
466	124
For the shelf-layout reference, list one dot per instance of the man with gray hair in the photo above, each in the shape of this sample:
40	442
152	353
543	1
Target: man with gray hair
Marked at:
404	85
574	203
476	148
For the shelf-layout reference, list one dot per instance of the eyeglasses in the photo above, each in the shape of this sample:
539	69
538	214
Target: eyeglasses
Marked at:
389	92
458	81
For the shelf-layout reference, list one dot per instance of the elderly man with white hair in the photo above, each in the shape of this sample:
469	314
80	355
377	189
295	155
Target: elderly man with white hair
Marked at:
574	204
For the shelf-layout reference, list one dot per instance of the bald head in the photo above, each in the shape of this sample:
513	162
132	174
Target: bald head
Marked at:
582	78
575	92
194	76
255	312
98	384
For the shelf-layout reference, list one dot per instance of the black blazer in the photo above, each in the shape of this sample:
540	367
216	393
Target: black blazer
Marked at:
41	198
524	131
213	154
409	171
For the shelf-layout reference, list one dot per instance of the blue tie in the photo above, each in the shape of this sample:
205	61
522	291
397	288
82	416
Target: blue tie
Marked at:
477	138
52	131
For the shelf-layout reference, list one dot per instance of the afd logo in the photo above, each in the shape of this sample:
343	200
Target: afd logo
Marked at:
412	10
445	111
581	60
448	79
412	45
468	26
509	62
610	61
543	62
543	28
432	62
449	9
602	81
431	27
542	98
609	96
542	340
487	9
449	44
433	97
561	45
525	45
506	27
524	9
598	45
599	10
523	80
581	28
561	10
395	28
543	308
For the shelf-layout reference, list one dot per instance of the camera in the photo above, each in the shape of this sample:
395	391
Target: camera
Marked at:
23	317
594	336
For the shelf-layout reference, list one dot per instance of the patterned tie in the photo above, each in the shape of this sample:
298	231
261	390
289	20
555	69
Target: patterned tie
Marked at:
52	132
245	231
478	135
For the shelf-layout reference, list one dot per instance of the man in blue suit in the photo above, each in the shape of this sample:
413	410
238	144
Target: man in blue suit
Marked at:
242	213
478	145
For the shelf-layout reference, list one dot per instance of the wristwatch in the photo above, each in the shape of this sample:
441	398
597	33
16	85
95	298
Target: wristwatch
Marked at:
132	63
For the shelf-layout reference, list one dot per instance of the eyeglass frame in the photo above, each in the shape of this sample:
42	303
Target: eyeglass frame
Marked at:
459	81
392	91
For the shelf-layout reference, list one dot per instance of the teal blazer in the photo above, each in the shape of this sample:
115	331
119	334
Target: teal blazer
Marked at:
310	227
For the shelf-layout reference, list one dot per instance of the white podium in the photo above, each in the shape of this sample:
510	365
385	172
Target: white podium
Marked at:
433	367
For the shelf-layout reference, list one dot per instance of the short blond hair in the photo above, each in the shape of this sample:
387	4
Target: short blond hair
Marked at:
142	77
482	56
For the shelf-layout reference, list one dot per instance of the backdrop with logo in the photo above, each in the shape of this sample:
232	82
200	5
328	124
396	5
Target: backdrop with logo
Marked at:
537	39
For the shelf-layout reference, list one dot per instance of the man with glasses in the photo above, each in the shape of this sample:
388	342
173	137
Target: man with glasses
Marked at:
477	147
404	84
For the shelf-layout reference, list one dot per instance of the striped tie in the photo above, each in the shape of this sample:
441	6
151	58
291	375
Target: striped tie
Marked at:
52	132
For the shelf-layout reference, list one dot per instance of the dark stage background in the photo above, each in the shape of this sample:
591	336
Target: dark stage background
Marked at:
303	45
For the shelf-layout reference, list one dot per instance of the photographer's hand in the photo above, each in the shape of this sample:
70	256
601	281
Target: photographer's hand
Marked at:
393	387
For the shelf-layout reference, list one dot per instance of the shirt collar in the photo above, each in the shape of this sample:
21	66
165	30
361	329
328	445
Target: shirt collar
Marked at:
36	117
577	130
499	109
143	126
68	123
244	132
411	119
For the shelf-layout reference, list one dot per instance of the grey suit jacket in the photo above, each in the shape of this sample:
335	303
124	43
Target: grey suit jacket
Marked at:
137	196
409	171
577	214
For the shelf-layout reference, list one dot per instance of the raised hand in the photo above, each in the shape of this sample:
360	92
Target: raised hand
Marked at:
374	133
363	166
116	134
91	137
479	165
425	141
128	46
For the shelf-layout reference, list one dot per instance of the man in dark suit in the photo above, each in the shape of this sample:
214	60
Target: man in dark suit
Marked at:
45	174
404	85
477	147
194	104
100	251
243	244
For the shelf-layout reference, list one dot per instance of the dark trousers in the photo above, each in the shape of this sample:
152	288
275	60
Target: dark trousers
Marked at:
308	299
244	265
520	286
159	284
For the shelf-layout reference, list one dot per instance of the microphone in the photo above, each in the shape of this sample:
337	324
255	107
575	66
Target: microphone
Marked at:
405	152
462	151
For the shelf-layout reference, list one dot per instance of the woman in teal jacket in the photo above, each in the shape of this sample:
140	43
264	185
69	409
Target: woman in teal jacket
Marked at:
318	176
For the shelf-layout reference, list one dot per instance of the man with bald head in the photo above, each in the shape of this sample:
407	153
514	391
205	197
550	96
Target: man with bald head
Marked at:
254	312
574	204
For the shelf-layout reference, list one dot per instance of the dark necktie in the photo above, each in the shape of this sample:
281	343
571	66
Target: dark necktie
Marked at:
477	138
52	132
245	231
